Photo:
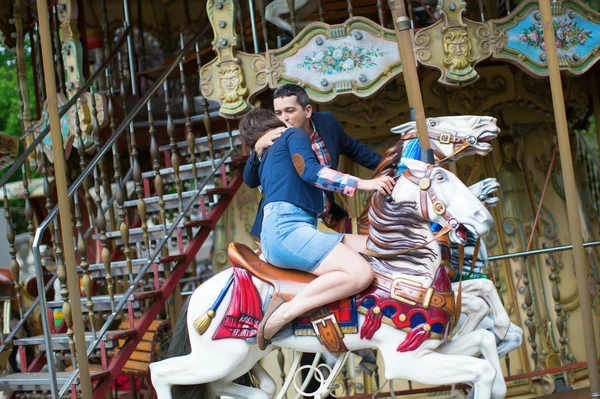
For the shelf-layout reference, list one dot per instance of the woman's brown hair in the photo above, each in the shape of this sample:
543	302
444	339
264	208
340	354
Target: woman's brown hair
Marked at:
256	123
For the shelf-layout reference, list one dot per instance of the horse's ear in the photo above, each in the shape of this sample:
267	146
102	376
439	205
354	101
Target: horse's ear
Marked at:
414	164
404	128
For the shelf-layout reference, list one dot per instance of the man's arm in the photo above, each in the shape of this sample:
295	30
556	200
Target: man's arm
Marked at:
357	151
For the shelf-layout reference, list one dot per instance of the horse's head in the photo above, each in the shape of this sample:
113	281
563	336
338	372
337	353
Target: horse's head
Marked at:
453	137
443	199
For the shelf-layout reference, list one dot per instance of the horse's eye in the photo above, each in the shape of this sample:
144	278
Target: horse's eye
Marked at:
432	123
440	177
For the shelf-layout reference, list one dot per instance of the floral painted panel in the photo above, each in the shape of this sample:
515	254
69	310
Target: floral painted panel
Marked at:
343	58
576	36
360	57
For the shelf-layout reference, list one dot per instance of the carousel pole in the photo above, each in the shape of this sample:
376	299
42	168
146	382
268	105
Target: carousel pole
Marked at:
571	197
411	78
60	175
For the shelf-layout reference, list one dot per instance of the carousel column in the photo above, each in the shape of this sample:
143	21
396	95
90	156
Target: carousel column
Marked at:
411	78
63	200
595	93
571	197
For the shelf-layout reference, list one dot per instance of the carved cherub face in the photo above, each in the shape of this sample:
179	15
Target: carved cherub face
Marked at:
457	48
231	83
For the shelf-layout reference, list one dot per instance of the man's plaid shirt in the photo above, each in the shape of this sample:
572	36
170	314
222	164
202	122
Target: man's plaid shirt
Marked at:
327	178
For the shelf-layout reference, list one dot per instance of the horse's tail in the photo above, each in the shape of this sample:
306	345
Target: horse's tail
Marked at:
179	345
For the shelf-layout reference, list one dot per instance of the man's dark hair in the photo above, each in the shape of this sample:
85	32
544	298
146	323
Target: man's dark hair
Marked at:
291	89
256	123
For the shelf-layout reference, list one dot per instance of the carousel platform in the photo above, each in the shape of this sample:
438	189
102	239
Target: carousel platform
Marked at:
582	393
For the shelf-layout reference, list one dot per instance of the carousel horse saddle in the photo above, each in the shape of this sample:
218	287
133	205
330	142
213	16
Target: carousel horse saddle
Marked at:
287	283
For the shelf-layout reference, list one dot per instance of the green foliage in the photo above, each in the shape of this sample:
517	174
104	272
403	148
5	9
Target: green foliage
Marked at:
9	94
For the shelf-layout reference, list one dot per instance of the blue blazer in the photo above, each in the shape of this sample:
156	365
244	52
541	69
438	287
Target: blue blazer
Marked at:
336	141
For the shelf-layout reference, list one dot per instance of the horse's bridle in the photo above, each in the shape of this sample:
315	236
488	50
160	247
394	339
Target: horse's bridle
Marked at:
446	138
439	207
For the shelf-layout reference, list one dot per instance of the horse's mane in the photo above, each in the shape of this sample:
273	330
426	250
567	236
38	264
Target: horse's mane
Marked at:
398	227
389	166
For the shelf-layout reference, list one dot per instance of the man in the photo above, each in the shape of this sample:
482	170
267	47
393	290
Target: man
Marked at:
329	141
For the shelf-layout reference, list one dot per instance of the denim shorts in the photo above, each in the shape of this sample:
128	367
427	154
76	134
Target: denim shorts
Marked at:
290	239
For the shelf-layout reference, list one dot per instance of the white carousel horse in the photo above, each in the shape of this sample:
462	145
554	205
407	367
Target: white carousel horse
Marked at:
302	9
422	357
452	138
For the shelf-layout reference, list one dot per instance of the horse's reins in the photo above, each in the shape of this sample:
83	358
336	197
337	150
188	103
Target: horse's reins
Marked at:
439	208
446	138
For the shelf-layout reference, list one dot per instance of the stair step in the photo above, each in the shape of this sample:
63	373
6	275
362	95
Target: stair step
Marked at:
155	233
61	341
41	381
220	141
102	302
171	200
185	171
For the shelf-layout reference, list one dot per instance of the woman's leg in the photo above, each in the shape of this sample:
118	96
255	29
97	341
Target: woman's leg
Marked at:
342	273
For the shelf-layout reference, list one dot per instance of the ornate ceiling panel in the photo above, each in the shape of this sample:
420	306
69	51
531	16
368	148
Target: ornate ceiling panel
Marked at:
577	31
357	57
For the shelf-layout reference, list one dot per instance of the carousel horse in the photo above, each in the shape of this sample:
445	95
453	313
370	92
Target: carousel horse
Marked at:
407	312
453	138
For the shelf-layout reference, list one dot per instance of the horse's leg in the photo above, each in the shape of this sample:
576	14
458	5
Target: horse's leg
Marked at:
479	342
485	289
428	367
512	340
266	382
228	388
273	14
191	370
476	309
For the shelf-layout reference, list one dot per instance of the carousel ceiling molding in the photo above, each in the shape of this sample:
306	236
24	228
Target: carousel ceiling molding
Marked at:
374	111
495	85
357	57
453	45
520	37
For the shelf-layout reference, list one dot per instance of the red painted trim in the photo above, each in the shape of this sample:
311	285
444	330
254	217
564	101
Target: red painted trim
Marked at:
38	363
118	362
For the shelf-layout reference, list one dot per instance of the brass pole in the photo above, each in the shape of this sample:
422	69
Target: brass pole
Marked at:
60	175
411	78
571	197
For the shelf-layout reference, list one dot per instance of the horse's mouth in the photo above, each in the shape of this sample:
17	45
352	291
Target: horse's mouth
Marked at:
461	234
488	197
483	141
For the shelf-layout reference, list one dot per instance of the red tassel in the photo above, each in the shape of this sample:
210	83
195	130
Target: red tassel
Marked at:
414	339
371	324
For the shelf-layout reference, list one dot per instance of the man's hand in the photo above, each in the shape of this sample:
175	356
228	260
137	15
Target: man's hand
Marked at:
267	140
383	184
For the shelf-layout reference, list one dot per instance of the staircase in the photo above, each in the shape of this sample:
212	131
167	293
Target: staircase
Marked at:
147	209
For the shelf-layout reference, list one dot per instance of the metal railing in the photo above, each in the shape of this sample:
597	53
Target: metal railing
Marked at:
107	146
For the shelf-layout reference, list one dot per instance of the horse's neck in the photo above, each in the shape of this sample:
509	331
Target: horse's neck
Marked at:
417	273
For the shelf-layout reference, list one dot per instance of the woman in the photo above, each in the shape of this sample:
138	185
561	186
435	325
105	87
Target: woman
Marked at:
292	181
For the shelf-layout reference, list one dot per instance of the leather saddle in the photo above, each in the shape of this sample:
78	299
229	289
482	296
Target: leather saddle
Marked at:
287	283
